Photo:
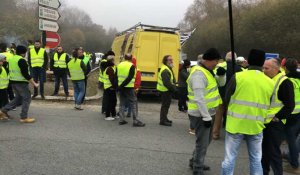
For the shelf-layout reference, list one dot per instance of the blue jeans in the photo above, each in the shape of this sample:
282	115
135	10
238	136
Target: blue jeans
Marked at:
232	145
79	89
39	75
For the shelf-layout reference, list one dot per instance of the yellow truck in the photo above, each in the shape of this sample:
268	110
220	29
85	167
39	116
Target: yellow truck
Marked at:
148	44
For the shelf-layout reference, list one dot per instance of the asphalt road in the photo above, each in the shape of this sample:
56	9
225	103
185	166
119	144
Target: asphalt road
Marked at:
64	141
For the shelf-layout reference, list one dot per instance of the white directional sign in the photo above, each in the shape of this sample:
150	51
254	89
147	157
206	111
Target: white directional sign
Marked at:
48	13
50	3
46	25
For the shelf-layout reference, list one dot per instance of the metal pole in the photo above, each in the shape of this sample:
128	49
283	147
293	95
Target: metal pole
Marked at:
231	35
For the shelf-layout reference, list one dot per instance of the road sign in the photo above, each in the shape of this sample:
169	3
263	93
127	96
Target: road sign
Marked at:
50	3
271	55
46	25
52	39
48	13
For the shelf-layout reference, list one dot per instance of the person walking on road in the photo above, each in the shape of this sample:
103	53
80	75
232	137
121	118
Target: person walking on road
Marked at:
182	85
19	78
86	60
282	105
4	81
59	66
77	71
166	86
292	127
109	85
203	99
126	78
38	60
248	97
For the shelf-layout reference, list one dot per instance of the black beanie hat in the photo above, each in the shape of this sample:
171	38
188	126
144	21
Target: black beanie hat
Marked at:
186	62
21	50
110	53
256	57
211	54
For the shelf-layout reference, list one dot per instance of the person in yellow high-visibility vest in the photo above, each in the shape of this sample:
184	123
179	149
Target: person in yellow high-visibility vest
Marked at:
8	55
86	60
126	77
247	99
292	126
38	61
4	81
19	78
166	86
58	64
203	100
282	105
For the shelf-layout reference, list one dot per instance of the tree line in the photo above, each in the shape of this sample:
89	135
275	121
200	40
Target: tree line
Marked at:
19	23
271	25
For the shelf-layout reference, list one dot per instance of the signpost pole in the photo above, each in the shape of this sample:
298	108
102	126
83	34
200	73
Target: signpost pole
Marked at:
231	35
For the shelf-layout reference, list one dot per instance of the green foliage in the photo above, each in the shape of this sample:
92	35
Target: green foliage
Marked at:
271	25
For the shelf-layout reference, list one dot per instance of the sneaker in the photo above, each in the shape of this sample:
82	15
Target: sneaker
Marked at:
138	123
191	164
122	122
34	96
290	169
3	116
192	131
78	107
109	118
27	120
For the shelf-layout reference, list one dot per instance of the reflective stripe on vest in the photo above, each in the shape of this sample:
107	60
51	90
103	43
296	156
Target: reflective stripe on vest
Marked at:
37	59
106	81
211	96
123	71
61	61
4	79
296	83
75	69
14	69
160	85
100	71
276	104
248	106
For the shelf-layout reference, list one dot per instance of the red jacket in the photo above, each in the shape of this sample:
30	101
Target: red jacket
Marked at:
138	77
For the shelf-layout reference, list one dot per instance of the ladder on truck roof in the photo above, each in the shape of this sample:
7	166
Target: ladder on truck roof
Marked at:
184	36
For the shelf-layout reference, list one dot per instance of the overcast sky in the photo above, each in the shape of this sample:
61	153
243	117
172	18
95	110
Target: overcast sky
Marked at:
123	14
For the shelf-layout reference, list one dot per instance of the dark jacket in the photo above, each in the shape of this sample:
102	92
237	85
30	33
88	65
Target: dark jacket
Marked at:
229	71
183	75
88	67
166	79
111	75
24	68
129	78
45	58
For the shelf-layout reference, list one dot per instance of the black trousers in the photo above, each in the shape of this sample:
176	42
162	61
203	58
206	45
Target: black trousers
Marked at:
10	92
182	98
166	98
111	100
3	97
271	153
85	83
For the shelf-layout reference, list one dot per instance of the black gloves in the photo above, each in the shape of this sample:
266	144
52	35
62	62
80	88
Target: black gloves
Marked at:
221	71
207	124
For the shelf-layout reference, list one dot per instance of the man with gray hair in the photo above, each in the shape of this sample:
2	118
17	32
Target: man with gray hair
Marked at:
282	105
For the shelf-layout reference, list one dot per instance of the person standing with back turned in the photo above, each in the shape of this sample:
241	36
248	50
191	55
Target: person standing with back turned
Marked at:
248	96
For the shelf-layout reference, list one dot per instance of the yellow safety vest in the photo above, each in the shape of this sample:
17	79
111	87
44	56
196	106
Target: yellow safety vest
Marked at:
276	104
37	59
61	61
296	83
75	69
160	85
211	96
248	106
4	79
101	72
123	71
8	55
106	81
14	69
